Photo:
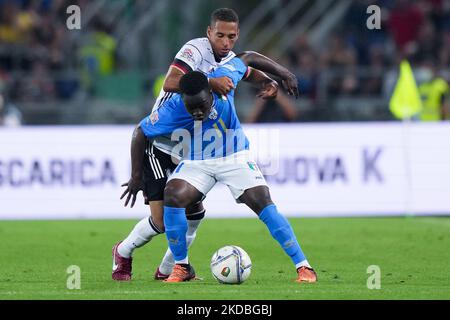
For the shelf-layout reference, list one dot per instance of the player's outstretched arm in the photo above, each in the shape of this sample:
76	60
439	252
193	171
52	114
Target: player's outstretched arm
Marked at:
268	88
263	63
136	183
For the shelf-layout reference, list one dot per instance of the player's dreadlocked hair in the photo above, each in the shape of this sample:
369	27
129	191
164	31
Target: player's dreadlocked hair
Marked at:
224	14
193	82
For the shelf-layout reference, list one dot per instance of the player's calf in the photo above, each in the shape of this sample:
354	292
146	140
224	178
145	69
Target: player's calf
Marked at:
194	216
141	234
281	230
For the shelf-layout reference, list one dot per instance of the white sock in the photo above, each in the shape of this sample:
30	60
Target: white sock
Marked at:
184	261
303	263
141	234
168	261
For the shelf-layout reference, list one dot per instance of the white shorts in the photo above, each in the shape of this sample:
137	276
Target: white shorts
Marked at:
238	171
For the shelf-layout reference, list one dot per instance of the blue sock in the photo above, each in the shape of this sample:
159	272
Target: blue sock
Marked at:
176	227
281	230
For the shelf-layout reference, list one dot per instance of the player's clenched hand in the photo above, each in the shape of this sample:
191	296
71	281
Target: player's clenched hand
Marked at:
133	187
221	85
290	84
269	91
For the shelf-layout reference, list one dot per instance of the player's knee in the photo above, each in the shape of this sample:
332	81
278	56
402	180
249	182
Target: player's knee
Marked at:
174	200
257	198
173	197
264	202
261	206
264	198
260	201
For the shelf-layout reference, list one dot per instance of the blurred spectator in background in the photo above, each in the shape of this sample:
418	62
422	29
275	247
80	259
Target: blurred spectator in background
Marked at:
303	58
38	85
14	24
280	109
97	54
341	57
338	53
33	41
372	82
428	44
435	93
358	36
10	116
405	21
44	61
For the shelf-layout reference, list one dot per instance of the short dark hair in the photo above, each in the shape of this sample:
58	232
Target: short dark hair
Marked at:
224	14
193	82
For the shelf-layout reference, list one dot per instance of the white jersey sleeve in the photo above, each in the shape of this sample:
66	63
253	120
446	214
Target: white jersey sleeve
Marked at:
190	54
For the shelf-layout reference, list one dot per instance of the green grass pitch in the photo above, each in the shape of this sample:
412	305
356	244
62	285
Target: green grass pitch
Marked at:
412	253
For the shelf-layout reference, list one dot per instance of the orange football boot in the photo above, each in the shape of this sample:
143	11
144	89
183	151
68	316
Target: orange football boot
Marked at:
180	274
306	274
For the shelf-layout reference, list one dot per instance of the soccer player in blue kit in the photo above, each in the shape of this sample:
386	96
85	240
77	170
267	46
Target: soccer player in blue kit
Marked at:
199	54
213	148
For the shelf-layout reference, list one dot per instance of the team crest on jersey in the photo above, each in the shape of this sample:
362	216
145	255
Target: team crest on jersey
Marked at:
154	118
252	165
188	54
213	114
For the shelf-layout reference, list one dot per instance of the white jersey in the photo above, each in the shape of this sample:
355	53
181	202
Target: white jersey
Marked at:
196	55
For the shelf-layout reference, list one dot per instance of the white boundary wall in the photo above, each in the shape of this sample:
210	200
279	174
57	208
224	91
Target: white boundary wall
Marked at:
348	169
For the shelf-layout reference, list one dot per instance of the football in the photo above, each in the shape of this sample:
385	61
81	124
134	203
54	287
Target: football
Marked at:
231	265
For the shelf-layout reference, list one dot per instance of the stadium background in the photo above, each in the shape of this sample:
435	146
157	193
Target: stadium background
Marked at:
107	74
69	100
104	73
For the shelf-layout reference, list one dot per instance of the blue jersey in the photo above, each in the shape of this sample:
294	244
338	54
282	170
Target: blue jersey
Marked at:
219	135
